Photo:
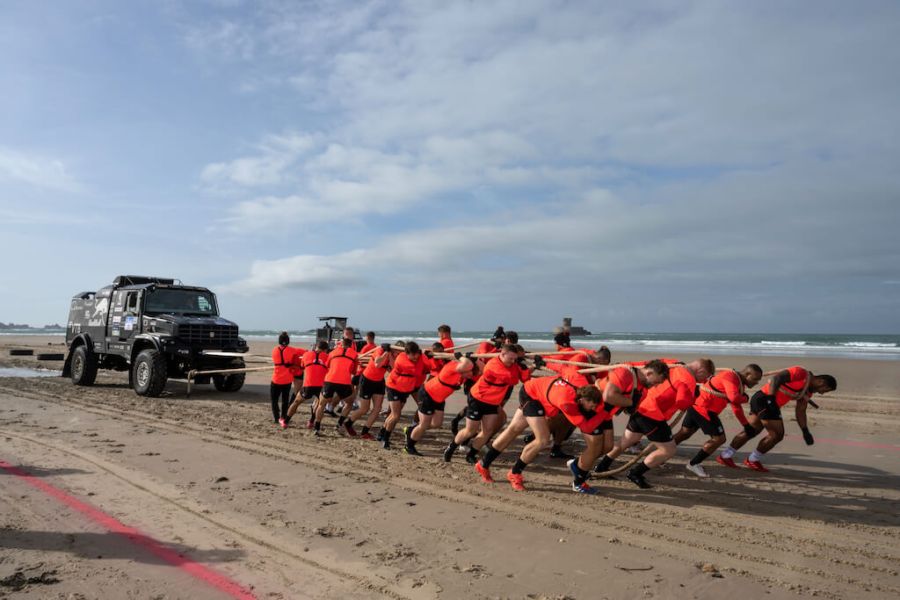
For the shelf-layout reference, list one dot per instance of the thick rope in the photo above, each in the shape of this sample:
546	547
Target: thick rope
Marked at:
640	456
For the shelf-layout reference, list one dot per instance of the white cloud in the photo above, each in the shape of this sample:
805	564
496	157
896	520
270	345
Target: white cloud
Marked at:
36	170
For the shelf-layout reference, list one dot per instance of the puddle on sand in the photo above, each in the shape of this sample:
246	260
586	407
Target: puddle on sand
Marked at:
24	372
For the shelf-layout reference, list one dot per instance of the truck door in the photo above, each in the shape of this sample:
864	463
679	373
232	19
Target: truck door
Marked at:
131	319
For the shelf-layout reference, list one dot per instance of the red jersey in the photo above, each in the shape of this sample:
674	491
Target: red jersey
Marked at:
676	393
446	342
341	365
447	381
557	395
723	388
314	365
406	375
496	379
372	371
797	386
581	357
366	348
286	359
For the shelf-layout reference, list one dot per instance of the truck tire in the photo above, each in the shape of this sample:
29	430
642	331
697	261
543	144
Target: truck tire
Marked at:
229	383
21	352
149	373
51	356
84	366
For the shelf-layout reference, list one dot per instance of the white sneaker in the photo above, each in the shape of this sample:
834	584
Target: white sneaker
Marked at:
697	470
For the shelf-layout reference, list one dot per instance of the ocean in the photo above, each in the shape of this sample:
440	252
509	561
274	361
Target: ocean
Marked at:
860	346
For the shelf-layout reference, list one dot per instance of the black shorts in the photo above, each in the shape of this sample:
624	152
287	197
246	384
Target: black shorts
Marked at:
355	380
656	431
341	390
476	409
711	426
369	388
427	405
395	396
606	425
308	393
765	407
467	385
530	407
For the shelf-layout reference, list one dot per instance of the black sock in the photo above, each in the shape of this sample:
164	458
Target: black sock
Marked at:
411	443
699	457
472	453
604	463
386	435
365	430
489	456
519	466
639	469
341	420
452	446
556	448
582	475
318	425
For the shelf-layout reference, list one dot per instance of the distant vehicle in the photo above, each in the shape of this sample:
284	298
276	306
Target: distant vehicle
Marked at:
333	330
155	329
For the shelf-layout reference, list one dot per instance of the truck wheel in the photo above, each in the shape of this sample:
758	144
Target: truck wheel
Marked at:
149	373
229	383
84	366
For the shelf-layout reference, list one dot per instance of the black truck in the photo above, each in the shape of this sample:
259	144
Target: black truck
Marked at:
155	329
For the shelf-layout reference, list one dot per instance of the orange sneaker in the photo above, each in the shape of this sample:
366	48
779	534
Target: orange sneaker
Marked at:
726	462
485	473
516	481
755	465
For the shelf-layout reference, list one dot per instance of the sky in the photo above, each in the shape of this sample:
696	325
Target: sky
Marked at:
639	166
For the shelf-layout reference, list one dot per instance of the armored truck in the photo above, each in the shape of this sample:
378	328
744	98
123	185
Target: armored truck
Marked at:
155	329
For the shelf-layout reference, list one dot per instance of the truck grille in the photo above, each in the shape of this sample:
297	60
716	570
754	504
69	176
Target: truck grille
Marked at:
208	336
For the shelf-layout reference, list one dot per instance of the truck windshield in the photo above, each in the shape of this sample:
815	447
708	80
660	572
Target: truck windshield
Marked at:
181	302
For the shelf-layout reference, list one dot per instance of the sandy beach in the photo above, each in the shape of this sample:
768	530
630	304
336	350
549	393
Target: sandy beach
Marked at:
286	515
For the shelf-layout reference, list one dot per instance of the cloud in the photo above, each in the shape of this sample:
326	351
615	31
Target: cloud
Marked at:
36	170
276	153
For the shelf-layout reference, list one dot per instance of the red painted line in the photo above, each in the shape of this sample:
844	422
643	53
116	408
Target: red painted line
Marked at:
205	574
851	443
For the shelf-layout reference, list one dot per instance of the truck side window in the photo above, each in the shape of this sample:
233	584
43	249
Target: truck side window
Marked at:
131	303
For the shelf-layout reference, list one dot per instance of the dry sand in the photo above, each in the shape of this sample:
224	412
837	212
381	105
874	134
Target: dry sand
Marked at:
291	516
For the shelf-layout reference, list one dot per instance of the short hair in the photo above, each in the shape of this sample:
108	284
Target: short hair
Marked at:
346	342
589	392
437	347
755	368
830	381
499	333
562	339
412	348
370	334
658	367
604	352
349	328
400	343
512	337
443	328
708	365
510	348
283	338
322	345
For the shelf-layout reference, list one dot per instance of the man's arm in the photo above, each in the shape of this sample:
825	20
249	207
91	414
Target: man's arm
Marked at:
800	412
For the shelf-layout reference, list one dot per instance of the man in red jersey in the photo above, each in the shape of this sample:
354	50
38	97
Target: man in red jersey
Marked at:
444	337
338	381
371	389
286	359
794	383
433	396
725	387
408	370
314	368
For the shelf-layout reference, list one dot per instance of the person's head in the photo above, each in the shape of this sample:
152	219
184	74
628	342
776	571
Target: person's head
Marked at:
412	350
703	368
588	397
509	353
822	384
444	331
562	340
751	374
370	337
284	339
349	332
437	347
655	371
400	344
499	334
512	337
322	346
603	356
347	342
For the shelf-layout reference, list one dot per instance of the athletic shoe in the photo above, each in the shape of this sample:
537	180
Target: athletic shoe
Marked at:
472	456
584	488
560	454
317	433
282	423
755	465
367	436
330	412
485	472
573	467
449	451
638	480
599	468
412	450
386	444
310	424
348	426
726	462
407	431
516	481
697	470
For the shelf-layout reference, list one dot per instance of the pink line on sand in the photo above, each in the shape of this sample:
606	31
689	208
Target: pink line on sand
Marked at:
854	443
205	574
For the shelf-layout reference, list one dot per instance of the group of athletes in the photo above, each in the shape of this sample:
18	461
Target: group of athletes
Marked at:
561	391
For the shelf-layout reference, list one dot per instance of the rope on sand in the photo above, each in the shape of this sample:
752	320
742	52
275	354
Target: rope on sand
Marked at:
640	456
